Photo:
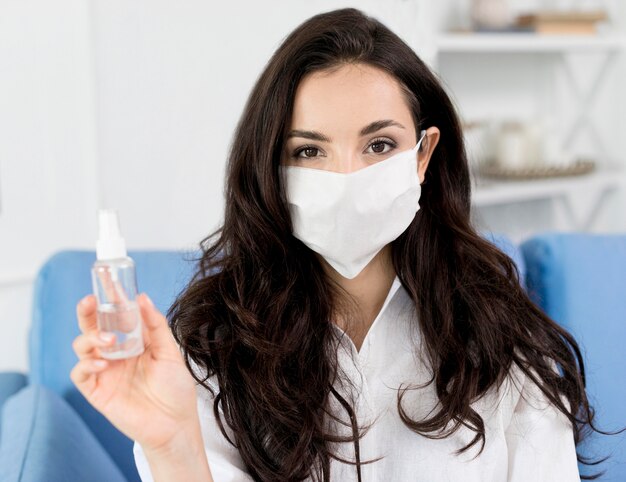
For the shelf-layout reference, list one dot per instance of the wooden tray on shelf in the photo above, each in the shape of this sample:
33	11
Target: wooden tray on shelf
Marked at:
493	170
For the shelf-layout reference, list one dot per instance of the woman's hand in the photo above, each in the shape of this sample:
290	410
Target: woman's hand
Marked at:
151	397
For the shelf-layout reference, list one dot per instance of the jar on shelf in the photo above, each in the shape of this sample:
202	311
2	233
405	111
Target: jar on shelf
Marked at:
491	14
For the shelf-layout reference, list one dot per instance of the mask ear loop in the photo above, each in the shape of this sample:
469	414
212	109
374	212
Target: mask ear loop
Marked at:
420	149
422	135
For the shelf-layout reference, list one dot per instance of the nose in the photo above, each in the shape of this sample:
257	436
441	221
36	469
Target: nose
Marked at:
347	162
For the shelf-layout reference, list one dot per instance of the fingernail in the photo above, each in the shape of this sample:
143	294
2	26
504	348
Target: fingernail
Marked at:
84	301
148	300
106	336
100	363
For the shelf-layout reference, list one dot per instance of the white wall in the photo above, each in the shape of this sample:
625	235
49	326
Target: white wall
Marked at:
48	187
132	105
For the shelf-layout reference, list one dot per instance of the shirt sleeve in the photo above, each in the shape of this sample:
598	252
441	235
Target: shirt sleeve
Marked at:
540	439
224	460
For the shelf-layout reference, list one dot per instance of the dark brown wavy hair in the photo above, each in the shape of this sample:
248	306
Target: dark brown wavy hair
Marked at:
257	313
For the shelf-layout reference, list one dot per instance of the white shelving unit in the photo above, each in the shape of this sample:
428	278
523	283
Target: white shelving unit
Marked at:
525	43
565	190
491	192
608	175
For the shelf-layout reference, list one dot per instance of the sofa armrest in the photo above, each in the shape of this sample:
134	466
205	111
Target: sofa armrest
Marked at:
11	383
42	438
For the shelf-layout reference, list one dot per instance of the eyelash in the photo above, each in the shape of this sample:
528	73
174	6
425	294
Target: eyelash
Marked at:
390	143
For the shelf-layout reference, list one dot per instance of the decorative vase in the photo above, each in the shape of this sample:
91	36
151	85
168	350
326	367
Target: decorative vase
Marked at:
491	14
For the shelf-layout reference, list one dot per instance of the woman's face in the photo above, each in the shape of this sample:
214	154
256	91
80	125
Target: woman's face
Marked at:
350	118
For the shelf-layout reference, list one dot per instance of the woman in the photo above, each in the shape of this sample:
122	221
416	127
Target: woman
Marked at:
346	322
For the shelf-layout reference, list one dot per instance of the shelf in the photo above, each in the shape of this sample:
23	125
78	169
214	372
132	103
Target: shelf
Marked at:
16	279
488	192
526	42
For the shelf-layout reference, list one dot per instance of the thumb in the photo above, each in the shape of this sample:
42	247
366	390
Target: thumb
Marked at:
159	336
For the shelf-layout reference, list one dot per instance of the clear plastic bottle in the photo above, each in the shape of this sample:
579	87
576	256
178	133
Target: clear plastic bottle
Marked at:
115	287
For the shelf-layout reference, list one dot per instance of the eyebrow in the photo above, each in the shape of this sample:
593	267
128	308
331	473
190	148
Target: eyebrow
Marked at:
368	129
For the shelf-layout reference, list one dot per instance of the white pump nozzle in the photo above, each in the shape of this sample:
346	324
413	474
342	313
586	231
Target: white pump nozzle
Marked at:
110	243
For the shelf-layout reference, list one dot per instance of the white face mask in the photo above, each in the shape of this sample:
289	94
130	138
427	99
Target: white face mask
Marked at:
349	217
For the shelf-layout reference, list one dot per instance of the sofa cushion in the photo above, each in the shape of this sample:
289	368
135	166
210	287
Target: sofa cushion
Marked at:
42	438
10	383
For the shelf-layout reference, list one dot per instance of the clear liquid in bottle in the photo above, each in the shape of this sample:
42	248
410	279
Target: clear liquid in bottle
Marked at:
125	322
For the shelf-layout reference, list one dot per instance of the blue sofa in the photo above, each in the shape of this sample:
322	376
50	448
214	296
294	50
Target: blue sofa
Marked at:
49	432
579	280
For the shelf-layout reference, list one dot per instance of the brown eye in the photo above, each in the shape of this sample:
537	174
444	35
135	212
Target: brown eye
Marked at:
381	147
378	146
308	151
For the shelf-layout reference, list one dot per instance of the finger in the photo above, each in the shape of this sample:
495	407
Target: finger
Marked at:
158	330
121	292
128	318
85	345
127	345
86	314
104	281
83	374
112	288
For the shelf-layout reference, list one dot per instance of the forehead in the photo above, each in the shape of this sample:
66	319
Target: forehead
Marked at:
347	98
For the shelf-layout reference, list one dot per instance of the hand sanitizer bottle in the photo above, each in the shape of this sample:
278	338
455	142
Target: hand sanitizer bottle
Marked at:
115	288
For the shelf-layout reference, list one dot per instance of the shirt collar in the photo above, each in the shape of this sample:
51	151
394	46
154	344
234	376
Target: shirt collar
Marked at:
395	286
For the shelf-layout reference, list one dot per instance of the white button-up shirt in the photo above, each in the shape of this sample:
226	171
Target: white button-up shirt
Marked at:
527	438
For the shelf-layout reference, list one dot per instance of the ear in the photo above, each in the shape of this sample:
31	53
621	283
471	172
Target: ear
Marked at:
424	153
